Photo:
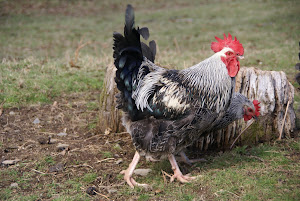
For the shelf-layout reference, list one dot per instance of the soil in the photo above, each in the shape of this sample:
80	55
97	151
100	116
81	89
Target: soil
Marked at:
65	133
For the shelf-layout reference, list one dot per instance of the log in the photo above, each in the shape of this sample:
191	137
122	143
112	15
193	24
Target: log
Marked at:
275	93
271	88
109	116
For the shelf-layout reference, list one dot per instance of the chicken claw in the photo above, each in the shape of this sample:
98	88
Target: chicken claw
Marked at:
129	171
182	178
177	173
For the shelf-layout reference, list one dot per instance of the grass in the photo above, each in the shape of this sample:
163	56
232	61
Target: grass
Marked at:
268	171
39	40
89	177
32	80
256	173
44	163
107	154
37	45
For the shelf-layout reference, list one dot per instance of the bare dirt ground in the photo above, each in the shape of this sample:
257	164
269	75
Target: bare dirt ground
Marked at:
44	150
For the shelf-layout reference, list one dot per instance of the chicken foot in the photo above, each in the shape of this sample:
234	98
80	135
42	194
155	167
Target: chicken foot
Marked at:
129	172
177	173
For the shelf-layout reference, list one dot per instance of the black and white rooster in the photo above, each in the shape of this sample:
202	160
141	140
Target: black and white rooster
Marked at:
167	110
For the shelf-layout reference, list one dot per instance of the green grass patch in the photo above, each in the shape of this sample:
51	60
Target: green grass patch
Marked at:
89	177
37	46
5	194
45	163
143	197
258	173
107	154
263	172
34	81
92	105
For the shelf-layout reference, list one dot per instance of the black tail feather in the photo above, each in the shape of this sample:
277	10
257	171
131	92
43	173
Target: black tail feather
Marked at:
128	56
129	19
144	32
149	51
152	46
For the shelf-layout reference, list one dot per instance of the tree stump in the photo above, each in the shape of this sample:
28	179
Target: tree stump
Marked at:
271	88
274	92
110	116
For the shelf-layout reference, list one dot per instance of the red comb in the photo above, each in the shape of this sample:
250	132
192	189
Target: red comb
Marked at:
227	42
257	107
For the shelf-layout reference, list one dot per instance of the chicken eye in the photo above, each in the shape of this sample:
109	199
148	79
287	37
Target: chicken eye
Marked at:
250	110
229	53
238	54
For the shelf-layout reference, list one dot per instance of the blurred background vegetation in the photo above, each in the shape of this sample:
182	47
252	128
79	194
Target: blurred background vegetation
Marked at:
39	39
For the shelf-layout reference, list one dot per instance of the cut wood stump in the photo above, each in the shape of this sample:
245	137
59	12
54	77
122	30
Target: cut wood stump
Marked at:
270	88
274	92
110	116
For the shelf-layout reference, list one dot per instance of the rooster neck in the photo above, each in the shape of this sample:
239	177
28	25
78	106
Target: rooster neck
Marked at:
210	78
210	73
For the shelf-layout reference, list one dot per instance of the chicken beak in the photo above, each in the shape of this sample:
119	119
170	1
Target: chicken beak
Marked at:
240	57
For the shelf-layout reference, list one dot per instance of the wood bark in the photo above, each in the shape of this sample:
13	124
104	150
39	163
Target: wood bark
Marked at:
273	91
271	88
109	116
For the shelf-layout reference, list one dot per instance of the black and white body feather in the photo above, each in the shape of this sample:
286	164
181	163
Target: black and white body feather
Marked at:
167	110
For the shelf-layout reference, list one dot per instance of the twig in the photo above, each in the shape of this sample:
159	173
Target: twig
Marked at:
73	64
280	134
249	124
272	151
83	165
75	149
120	133
256	157
47	133
106	159
92	137
101	195
38	171
176	44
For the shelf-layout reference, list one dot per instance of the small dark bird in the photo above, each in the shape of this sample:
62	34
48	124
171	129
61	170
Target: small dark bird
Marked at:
166	110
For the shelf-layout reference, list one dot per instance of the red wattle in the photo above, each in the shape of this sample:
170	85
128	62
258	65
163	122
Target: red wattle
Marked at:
247	117
232	64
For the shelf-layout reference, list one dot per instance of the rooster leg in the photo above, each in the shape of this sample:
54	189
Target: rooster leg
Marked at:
188	161
128	173
177	173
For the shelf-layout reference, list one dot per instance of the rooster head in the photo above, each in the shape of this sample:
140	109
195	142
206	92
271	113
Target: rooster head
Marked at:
232	56
250	112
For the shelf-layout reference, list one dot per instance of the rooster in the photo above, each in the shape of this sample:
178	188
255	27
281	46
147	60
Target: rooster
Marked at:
167	110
